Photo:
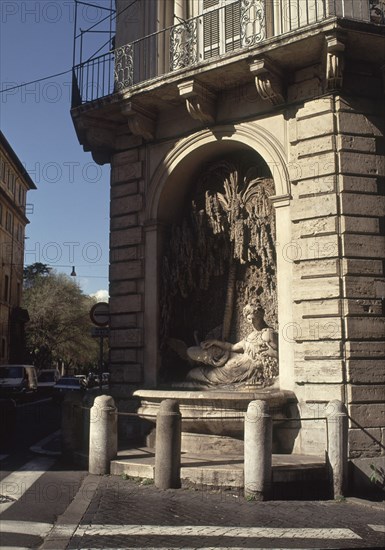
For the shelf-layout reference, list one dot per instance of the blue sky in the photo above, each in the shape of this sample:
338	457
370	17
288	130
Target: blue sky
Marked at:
70	219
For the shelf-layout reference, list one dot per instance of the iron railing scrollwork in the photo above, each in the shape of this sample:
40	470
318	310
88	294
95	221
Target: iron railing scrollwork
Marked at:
124	67
248	23
253	22
183	45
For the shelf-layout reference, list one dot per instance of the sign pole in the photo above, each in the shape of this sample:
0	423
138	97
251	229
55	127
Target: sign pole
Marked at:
100	363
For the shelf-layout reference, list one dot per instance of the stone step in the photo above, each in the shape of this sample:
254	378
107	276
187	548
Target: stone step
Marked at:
217	471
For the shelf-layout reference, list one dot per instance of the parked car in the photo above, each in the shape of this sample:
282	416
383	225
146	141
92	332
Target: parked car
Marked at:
17	380
46	380
67	384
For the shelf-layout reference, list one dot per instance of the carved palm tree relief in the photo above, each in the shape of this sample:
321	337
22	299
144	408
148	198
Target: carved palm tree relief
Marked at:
220	257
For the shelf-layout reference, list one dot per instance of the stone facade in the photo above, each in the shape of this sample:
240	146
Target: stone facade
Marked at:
14	185
318	124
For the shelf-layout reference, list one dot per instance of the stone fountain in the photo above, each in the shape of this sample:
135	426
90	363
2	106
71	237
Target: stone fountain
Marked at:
219	274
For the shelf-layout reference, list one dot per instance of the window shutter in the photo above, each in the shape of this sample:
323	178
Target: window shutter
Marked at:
211	34
232	26
207	4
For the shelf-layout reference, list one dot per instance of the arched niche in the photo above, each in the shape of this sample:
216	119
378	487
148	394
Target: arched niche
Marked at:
166	193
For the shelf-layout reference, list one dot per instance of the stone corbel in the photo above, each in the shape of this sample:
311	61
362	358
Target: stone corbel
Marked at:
334	61
141	121
95	139
268	81
200	102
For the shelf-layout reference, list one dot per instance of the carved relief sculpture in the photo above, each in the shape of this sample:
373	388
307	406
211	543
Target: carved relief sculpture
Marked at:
219	275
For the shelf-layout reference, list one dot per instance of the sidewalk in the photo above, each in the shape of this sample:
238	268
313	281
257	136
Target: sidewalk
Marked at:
117	512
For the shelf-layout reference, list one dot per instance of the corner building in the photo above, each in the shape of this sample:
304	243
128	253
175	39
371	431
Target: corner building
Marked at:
14	185
298	85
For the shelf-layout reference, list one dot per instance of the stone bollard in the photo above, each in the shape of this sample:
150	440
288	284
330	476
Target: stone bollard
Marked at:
103	435
337	451
258	451
71	424
168	445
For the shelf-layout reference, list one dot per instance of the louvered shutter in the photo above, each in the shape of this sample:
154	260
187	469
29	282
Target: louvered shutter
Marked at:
221	27
232	26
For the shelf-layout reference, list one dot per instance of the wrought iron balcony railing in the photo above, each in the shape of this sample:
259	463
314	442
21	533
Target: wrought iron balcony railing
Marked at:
234	27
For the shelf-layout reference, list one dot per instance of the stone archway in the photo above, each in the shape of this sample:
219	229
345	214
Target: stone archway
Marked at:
169	186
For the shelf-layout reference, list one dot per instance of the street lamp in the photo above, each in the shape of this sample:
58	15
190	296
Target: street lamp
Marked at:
73	272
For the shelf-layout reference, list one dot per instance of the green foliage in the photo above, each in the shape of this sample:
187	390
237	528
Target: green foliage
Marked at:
59	329
378	476
32	272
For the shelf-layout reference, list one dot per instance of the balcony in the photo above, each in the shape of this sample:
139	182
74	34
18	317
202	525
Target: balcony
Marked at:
239	27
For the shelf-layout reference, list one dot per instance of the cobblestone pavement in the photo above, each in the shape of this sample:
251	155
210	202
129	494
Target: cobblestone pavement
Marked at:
128	514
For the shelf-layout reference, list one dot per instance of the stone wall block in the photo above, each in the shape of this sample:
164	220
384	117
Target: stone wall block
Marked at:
368	415
360	287
353	266
312	167
318	226
131	373
320	288
366	371
328	370
129	270
359	124
315	308
358	184
356	143
124	254
315	186
316	268
126	205
313	248
126	157
317	146
124	189
123	355
322	350
127	172
130	337
123	320
120	288
353	224
124	222
319	125
364	246
365	349
364	442
359	328
126	304
315	107
366	393
315	329
363	306
319	392
354	204
362	163
314	207
126	237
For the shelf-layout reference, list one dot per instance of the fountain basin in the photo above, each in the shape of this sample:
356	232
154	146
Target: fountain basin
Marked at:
212	419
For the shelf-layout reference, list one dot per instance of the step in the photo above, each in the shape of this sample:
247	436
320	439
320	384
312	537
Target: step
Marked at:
217	471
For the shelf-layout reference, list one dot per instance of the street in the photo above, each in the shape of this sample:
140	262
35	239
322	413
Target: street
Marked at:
34	489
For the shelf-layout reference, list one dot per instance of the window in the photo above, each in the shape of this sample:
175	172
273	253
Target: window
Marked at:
9	222
6	288
221	27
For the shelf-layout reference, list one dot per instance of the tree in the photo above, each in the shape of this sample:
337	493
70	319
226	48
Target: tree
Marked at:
32	272
59	329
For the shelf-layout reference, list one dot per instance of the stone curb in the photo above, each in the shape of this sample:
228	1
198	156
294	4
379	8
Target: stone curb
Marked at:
66	525
368	503
40	446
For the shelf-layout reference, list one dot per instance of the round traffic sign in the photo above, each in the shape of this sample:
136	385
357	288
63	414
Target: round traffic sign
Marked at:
100	314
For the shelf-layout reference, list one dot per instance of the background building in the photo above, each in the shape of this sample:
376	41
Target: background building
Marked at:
14	185
298	86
